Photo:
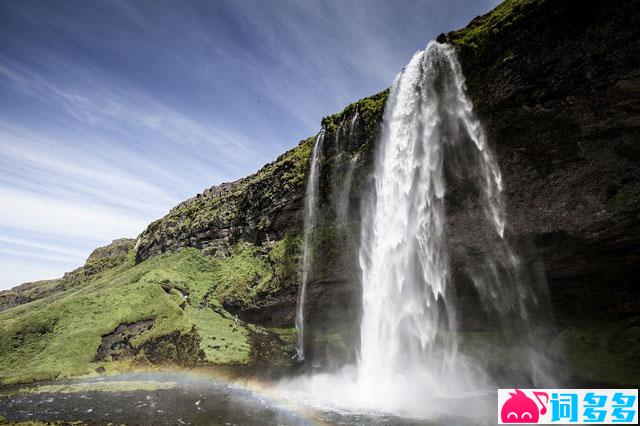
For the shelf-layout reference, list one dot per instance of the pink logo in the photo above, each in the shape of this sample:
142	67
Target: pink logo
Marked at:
519	408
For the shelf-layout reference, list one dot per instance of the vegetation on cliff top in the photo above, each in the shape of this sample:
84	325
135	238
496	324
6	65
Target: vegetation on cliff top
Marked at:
244	202
492	24
370	110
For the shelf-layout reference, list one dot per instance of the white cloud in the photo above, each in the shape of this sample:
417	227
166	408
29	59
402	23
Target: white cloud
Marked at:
66	218
35	244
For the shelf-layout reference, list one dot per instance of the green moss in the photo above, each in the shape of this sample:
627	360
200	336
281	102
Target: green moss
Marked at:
625	197
275	180
287	335
290	169
103	262
247	275
243	275
369	111
506	14
112	386
61	338
285	259
59	335
335	341
108	257
224	340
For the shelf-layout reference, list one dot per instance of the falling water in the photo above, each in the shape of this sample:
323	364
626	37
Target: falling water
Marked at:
409	325
310	219
433	167
408	318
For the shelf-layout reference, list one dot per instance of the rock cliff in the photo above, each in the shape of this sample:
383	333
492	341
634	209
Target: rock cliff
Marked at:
557	85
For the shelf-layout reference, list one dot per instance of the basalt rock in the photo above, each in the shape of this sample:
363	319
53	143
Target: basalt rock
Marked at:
177	348
557	86
117	345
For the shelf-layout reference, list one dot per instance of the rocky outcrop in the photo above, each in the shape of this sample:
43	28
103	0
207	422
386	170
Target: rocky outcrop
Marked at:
264	206
117	344
100	260
177	348
108	257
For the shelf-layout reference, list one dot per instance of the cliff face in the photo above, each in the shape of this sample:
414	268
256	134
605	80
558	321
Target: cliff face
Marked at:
265	211
265	205
557	85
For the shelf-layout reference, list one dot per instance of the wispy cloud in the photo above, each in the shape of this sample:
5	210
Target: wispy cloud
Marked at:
65	217
33	244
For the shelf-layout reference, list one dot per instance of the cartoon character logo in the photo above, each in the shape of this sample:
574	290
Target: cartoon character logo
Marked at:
519	408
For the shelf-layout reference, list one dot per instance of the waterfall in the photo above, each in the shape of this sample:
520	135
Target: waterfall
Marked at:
409	324
407	314
433	226
310	222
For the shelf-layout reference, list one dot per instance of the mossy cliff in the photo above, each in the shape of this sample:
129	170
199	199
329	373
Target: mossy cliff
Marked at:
557	86
161	311
214	281
254	225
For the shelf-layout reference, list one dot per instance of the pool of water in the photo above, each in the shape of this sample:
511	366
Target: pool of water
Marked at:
180	399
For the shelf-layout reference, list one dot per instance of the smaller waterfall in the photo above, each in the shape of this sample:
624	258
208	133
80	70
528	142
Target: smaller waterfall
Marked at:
343	200
310	222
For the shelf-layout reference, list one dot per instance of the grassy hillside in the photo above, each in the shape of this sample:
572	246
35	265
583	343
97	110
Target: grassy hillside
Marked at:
163	310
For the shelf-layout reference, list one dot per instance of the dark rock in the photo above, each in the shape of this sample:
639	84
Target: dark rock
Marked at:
556	87
116	345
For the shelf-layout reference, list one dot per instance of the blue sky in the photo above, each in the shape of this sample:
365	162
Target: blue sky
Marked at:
111	112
